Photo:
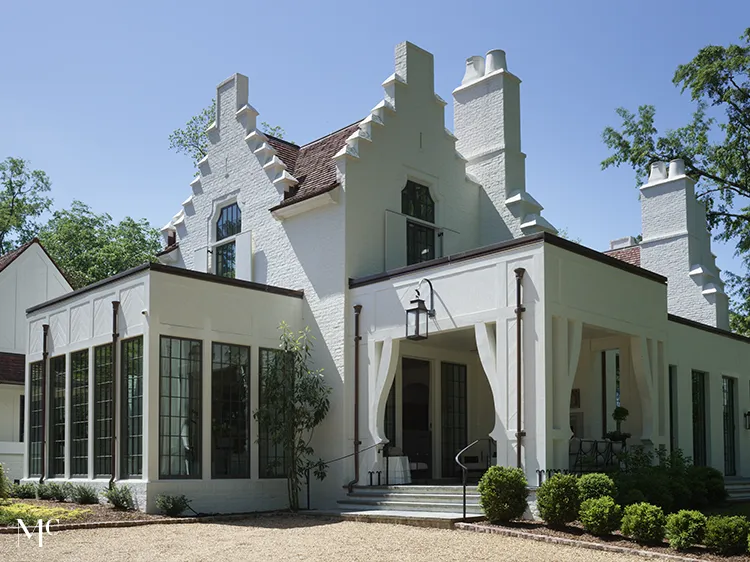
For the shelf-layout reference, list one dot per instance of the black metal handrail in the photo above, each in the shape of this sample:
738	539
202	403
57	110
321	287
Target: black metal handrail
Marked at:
464	471
326	463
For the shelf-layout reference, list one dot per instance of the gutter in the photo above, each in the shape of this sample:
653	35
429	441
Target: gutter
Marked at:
357	339
113	382
520	309
45	358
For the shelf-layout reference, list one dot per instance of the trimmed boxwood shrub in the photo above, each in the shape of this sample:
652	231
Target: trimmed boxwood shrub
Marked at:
685	529
4	486
600	516
595	485
706	485
727	534
173	506
644	523
502	493
558	499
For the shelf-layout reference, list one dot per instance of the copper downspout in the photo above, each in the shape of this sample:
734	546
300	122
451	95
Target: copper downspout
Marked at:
45	357
520	309
113	382
357	338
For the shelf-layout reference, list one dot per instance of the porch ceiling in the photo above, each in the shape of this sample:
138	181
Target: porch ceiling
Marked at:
459	340
593	332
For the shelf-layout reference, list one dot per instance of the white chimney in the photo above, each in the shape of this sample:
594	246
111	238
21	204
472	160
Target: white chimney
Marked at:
487	123
676	243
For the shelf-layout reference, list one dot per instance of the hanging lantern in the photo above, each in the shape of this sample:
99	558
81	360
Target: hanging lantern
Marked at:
417	320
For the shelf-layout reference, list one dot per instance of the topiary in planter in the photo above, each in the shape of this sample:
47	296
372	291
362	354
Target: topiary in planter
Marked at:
685	529
596	485
600	516
644	523
727	534
559	500
502	493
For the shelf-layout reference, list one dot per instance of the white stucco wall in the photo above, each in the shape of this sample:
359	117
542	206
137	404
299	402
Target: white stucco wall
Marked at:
30	279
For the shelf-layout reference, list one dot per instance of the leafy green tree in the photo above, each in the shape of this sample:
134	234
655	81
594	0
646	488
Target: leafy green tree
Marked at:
22	200
193	138
297	392
715	146
89	247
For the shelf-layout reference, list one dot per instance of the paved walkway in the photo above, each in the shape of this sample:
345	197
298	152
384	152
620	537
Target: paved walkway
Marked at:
288	538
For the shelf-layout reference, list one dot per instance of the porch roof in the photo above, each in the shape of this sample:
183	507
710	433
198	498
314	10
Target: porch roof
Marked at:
539	238
171	270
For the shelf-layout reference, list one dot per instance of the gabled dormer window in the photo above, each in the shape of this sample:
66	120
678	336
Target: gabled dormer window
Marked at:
417	202
228	225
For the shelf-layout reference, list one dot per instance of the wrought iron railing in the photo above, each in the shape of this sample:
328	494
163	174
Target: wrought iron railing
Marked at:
591	455
464	472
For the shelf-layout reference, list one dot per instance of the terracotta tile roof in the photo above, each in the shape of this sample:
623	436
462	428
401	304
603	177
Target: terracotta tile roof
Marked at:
7	259
11	368
312	164
631	254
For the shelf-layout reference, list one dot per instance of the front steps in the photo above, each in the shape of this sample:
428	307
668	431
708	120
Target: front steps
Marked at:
442	501
738	488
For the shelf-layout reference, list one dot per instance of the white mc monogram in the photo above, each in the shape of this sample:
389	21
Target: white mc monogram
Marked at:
40	526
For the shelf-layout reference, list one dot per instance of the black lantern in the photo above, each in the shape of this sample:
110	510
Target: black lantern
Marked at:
417	320
747	420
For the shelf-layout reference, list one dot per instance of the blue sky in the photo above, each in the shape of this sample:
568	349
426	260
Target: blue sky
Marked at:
91	90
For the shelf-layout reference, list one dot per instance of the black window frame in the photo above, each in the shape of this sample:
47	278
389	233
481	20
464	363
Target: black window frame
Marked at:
454	431
104	410
729	419
420	243
194	380
131	393
700	426
79	413
226	260
22	421
230	412
36	410
58	373
417	202
273	461
229	222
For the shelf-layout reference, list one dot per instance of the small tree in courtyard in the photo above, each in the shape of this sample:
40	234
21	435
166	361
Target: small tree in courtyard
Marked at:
295	400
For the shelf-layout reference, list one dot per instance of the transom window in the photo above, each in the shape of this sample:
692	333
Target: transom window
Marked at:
229	222
417	202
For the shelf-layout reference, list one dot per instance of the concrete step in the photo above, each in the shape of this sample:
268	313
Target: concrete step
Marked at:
414	489
436	519
352	503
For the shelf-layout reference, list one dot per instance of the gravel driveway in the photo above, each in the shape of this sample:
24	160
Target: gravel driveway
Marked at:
289	538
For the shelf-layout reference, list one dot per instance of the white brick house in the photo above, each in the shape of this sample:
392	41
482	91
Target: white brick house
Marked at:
27	276
160	364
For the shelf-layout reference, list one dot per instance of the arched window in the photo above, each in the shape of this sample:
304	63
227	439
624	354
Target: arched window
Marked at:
417	202
228	225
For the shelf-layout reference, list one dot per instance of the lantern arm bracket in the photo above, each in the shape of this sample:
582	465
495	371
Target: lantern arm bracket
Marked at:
431	311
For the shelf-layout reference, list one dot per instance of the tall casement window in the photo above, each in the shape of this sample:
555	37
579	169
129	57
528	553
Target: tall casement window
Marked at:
700	455
728	386
35	419
673	421
230	411
228	225
271	458
416	202
132	407
79	413
103	410
179	408
57	416
454	415
22	421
